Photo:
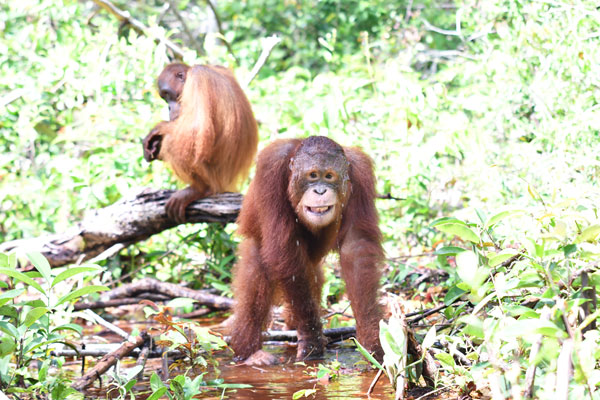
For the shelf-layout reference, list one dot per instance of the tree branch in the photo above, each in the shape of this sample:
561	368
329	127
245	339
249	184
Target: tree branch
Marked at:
268	45
126	18
129	220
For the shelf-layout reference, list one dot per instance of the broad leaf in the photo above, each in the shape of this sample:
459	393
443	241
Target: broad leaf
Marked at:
23	278
41	264
462	231
81	292
34	314
71	272
502	215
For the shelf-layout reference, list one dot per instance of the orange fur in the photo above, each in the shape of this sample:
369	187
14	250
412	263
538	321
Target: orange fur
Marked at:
215	137
212	142
280	256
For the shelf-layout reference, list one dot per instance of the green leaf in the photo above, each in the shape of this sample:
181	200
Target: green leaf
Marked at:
180	302
232	385
7	345
366	354
81	292
9	311
454	293
589	234
303	393
7	296
467	267
131	383
499	258
502	215
528	326
448	251
155	382
429	338
473	326
34	314
71	272
446	359
157	394
70	327
8	261
569	249
23	278
9	329
447	220
132	372
462	231
41	264
44	343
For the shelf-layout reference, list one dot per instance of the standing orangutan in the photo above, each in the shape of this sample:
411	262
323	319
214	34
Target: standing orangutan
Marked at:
308	197
211	138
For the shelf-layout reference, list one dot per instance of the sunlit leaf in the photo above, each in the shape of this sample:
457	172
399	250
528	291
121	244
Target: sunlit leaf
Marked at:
41	264
589	234
69	327
448	251
155	382
462	231
81	292
366	354
7	345
157	393
9	329
499	258
34	314
23	278
473	326
502	215
7	296
447	220
468	269
71	272
429	338
446	359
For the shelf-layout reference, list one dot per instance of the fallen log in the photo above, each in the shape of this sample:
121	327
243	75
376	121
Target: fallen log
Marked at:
108	361
101	349
94	305
149	285
129	220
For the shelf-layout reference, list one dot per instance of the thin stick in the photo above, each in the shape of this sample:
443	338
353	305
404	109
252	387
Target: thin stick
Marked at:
220	29
375	380
564	370
535	348
101	321
108	361
268	45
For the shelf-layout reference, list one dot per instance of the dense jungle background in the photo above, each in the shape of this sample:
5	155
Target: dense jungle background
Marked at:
483	122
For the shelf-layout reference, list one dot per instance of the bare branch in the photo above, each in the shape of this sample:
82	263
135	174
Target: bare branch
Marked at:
126	18
268	45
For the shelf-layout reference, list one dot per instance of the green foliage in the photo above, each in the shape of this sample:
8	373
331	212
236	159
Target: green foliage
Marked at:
527	289
484	112
29	327
123	382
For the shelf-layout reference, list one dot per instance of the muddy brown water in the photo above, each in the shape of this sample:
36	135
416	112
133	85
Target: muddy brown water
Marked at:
272	382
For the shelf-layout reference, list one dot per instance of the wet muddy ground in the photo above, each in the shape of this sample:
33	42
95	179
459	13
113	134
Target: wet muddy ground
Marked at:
272	382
